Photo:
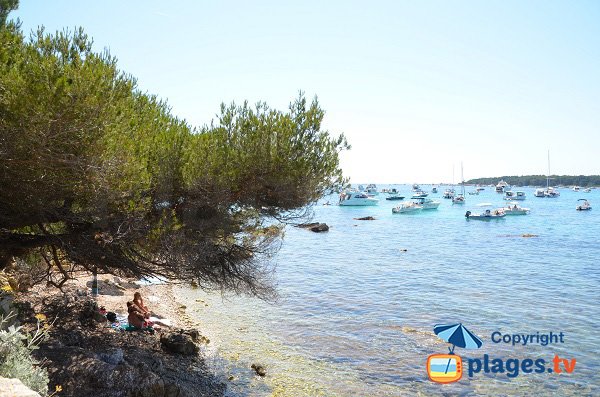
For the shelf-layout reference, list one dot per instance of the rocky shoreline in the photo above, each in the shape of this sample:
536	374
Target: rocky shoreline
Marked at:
85	356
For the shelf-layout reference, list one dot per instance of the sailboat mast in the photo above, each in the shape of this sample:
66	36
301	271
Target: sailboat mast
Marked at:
548	176
462	179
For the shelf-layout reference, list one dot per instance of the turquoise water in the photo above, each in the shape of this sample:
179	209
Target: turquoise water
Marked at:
358	303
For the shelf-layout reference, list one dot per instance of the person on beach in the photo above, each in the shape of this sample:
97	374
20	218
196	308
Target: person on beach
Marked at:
139	302
136	318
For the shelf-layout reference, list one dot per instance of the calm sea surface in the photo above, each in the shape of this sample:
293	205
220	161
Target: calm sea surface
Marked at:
358	303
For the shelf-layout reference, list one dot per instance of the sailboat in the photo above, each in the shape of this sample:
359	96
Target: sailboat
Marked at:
550	191
460	198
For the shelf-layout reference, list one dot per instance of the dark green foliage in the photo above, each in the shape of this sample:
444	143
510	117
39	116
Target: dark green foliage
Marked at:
540	180
96	175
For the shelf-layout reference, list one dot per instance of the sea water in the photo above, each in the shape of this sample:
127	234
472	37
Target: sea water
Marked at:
358	303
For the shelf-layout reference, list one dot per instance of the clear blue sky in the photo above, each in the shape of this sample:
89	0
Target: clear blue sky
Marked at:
416	86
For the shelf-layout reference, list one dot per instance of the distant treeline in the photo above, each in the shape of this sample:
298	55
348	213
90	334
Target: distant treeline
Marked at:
540	180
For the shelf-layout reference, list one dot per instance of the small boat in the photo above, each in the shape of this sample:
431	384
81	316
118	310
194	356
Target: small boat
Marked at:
419	194
427	203
392	191
501	186
576	188
449	193
372	189
475	193
480	189
459	199
395	197
406	207
515	209
434	190
487	215
587	190
510	195
416	187
551	192
584	206
539	193
356	199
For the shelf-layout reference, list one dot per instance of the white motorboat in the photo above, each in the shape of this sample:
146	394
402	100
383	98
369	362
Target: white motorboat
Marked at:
427	203
487	215
394	197
587	190
372	190
406	208
356	199
434	190
539	193
576	188
419	194
449	193
584	206
416	187
514	209
502	186
518	195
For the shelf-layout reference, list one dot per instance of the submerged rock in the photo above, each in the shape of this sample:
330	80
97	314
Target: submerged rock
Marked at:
527	235
314	227
321	227
259	369
365	218
179	343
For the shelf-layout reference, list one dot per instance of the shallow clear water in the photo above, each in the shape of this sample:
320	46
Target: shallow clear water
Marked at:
358	303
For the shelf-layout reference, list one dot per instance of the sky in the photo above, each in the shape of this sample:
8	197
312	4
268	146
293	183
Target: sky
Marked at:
417	87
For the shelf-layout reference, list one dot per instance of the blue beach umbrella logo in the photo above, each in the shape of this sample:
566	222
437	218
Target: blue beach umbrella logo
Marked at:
458	335
447	368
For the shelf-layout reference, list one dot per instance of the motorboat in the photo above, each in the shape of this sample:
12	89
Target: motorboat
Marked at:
434	190
392	191
487	215
372	190
551	192
518	195
419	194
427	203
416	187
587	190
480	189
584	206
475	193
513	208
356	199
407	207
394	197
449	193
576	188
539	193
501	186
